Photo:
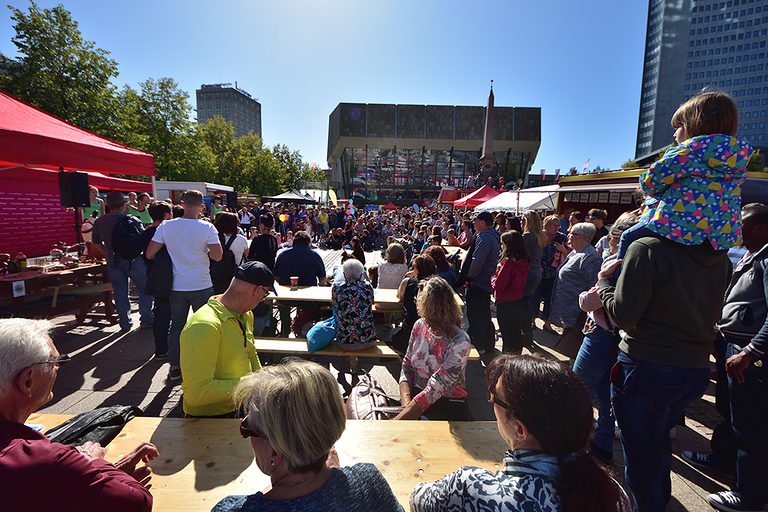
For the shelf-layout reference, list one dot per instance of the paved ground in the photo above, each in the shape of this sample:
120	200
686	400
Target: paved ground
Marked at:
110	368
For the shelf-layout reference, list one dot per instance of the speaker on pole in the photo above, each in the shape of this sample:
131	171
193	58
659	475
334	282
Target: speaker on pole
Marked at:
73	189
232	199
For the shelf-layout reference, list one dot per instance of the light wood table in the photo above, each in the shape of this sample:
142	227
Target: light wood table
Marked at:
381	296
203	460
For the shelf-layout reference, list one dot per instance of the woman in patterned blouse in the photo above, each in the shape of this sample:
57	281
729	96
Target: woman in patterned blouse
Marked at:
353	300
544	413
432	379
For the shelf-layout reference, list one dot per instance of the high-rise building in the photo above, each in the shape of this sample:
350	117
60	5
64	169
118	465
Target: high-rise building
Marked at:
233	104
694	44
406	153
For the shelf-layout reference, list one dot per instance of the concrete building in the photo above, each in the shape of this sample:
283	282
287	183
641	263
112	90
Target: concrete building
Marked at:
406	153
693	44
233	104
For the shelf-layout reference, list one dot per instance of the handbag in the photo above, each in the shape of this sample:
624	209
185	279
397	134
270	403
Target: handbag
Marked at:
321	334
100	425
368	401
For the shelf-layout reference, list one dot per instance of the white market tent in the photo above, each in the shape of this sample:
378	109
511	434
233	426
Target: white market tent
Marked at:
536	198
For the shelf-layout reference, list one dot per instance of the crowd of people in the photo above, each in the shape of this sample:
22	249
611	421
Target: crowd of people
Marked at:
639	305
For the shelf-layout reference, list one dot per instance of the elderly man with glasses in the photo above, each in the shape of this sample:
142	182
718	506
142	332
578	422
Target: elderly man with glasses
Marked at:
217	343
36	474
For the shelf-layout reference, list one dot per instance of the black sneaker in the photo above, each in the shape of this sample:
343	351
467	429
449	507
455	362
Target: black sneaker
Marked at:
705	462
604	456
730	501
174	375
161	357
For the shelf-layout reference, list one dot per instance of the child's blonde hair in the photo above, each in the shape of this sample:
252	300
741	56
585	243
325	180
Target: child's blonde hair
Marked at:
707	113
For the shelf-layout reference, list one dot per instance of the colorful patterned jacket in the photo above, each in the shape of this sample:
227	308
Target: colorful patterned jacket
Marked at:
695	191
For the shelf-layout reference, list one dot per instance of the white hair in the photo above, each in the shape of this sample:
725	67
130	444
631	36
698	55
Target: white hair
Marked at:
23	342
585	229
353	269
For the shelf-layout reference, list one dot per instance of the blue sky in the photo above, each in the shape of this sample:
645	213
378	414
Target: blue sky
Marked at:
581	62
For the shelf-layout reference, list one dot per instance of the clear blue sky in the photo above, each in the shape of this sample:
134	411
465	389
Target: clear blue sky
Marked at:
581	62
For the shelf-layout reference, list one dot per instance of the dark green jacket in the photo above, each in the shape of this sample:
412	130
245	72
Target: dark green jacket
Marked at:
667	300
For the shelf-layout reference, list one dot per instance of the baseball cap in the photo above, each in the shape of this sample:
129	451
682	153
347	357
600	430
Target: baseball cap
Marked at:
255	272
484	216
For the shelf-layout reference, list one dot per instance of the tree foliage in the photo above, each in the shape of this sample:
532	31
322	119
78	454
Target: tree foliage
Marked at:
62	73
57	70
630	164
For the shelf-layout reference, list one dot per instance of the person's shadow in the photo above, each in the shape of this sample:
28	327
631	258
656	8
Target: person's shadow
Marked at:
214	447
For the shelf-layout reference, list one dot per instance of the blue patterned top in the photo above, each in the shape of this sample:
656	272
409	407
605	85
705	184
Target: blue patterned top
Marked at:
354	311
358	488
525	483
694	191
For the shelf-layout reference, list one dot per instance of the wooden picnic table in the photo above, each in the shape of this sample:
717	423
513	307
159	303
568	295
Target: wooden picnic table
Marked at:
381	296
57	292
203	460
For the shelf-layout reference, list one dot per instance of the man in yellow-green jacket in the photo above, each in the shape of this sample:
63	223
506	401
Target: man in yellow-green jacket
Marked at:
217	343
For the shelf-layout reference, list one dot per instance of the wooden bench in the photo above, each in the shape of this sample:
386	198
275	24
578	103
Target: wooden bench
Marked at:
298	346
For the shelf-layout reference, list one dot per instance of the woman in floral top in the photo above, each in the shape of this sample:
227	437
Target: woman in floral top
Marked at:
433	376
353	300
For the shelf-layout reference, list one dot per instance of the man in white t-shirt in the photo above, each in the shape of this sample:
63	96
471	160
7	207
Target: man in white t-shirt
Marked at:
190	243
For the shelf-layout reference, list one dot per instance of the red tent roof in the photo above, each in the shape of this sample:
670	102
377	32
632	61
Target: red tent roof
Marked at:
31	137
389	206
477	197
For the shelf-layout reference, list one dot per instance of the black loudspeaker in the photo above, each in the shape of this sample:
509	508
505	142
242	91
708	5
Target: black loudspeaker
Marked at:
232	199
73	189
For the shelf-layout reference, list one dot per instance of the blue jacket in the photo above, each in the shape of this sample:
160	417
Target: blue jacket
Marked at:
484	259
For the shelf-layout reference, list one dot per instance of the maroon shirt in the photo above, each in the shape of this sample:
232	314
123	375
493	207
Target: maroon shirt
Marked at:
36	474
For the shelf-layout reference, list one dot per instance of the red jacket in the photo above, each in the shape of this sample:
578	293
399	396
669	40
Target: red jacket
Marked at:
510	280
36	474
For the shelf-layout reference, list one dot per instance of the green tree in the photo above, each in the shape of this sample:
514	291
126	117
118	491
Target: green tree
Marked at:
57	70
290	162
630	164
755	163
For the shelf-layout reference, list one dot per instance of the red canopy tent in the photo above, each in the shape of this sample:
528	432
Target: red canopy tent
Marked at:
34	145
389	206
476	198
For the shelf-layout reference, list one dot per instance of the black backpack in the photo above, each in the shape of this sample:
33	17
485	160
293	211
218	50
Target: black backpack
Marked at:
224	270
126	238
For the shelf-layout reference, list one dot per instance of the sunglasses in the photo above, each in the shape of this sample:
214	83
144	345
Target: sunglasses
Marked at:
247	432
63	358
493	400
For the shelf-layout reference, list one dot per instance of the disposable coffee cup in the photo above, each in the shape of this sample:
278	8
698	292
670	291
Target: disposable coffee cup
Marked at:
294	282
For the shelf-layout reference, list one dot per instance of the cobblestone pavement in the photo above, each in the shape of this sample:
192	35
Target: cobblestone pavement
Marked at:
110	368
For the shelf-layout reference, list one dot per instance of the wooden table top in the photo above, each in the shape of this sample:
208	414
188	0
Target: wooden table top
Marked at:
203	460
381	296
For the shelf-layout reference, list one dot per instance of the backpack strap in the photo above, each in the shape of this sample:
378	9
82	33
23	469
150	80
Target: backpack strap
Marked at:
231	240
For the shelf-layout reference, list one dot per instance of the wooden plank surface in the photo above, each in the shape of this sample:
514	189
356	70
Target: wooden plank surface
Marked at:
381	296
204	460
299	346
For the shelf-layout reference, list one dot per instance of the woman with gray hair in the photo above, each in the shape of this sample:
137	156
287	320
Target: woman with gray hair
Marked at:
353	300
294	415
578	272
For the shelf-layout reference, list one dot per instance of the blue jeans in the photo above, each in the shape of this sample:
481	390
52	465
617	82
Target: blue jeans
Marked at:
648	399
593	364
180	304
636	232
120	271
749	419
480	330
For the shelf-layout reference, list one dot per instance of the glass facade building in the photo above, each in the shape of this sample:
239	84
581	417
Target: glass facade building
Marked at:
407	153
695	44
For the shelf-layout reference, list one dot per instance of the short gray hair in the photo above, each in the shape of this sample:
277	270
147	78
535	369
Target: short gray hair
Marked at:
585	229
23	342
353	269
